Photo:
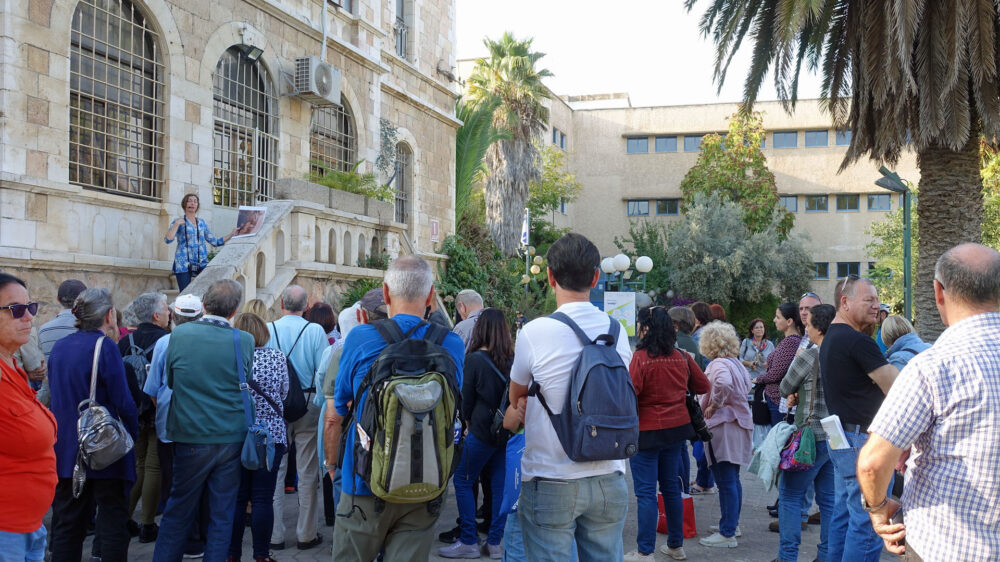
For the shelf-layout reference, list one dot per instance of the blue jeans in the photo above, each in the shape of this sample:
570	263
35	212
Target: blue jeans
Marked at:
685	469
852	537
590	510
776	416
727	476
197	467
704	477
183	280
650	466
513	542
477	456
257	488
23	547
791	492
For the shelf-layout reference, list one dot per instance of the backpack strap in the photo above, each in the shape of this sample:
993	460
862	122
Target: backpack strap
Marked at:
435	333
390	331
493	365
297	338
580	334
248	412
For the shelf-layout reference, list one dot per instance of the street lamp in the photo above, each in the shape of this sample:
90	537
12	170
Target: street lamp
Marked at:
890	180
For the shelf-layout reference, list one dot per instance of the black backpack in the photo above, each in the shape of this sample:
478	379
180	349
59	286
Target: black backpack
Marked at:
295	405
138	359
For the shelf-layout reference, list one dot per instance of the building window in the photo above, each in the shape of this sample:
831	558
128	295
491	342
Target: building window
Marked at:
668	206
692	143
638	207
666	144
815	203
789	202
401	28
555	135
562	205
848	202
562	140
871	267
786	139
115	100
879	202
816	138
822	270
403	182
843	138
346	5
245	144
637	145
845	268
332	139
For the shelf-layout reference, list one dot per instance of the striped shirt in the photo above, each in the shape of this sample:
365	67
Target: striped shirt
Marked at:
800	379
946	404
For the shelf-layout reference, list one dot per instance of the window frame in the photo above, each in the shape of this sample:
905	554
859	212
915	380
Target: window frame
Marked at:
887	197
638	207
630	140
666	201
341	139
824	198
851	268
696	148
846	197
666	139
842	137
403	182
816	267
814	133
776	135
783	198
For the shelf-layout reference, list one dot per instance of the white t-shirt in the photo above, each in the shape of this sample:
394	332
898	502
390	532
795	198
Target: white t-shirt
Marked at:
546	352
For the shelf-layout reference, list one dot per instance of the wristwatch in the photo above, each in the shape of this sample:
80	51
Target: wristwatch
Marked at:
872	509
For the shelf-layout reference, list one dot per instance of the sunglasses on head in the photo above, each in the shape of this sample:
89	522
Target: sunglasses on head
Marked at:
813	295
18	310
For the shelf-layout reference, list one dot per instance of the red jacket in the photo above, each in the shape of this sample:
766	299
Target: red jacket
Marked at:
660	386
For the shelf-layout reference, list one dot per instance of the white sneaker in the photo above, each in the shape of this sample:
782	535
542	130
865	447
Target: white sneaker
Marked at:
494	551
675	553
635	556
715	529
717	540
459	550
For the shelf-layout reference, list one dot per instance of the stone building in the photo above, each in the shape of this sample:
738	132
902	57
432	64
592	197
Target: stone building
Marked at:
113	110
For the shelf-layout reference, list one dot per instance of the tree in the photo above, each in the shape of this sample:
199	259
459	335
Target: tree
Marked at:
734	167
715	258
508	77
554	185
989	156
897	74
472	139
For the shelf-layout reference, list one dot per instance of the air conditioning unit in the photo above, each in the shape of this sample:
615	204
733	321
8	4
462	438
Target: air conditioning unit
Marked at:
316	81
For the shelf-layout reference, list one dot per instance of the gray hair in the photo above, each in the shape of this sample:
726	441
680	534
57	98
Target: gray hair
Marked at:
970	273
845	287
146	305
223	298
90	308
469	297
895	327
128	316
683	317
181	319
294	298
409	278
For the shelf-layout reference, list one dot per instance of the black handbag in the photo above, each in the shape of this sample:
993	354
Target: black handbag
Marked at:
701	430
758	408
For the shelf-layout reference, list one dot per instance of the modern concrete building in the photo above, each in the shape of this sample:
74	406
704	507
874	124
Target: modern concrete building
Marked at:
115	109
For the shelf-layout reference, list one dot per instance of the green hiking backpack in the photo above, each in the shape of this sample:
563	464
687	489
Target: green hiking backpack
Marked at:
404	445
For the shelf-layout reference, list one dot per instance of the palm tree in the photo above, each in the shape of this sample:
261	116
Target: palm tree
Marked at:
472	139
508	77
896	73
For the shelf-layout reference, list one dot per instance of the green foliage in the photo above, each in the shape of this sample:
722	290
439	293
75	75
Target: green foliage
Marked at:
885	246
375	261
555	184
715	258
472	139
388	136
649	238
739	314
358	290
735	168
990	171
362	183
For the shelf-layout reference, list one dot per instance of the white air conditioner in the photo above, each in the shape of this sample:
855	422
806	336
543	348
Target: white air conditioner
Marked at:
316	81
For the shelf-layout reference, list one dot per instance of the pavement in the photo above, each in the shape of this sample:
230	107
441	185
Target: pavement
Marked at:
756	544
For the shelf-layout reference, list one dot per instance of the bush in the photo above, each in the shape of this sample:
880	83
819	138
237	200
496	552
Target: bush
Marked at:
358	290
739	314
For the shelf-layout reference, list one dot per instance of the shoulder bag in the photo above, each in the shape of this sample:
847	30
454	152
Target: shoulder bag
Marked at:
497	430
800	452
103	439
701	430
258	446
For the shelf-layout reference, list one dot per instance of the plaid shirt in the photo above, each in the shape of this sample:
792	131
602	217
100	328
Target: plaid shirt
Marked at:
191	245
946	403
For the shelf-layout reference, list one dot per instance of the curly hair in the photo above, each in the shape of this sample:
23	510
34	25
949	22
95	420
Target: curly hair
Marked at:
660	337
718	339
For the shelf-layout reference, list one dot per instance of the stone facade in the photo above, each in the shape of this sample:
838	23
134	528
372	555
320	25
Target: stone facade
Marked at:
48	225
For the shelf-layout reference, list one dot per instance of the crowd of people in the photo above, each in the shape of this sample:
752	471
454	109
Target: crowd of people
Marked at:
371	413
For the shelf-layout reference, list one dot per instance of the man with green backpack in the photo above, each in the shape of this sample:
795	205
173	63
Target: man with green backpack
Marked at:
397	396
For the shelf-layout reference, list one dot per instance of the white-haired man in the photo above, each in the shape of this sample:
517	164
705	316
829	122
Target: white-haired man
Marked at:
469	305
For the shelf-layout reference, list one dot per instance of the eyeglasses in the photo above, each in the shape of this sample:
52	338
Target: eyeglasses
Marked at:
939	283
851	278
18	310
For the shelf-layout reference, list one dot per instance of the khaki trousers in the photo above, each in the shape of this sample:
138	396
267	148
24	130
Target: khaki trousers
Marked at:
303	433
404	530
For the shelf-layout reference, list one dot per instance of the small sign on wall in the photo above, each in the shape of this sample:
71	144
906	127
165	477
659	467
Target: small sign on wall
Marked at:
435	230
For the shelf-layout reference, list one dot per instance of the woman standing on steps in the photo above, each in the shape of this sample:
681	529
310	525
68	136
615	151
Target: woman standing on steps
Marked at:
192	241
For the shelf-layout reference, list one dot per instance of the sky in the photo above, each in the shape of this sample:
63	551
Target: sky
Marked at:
651	49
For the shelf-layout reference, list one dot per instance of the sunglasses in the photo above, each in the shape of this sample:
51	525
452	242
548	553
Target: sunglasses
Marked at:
850	278
18	310
813	295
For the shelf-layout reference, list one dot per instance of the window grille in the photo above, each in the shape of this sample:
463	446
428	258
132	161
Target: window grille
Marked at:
400	29
116	100
403	183
332	139
245	145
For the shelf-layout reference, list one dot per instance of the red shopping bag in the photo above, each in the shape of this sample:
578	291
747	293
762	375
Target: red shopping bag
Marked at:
690	528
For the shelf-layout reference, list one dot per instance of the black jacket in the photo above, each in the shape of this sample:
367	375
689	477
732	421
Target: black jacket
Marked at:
482	392
145	336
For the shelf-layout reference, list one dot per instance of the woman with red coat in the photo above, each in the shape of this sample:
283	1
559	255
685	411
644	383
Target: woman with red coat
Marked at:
662	376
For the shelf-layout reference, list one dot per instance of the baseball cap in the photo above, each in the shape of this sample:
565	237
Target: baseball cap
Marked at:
188	306
884	307
374	302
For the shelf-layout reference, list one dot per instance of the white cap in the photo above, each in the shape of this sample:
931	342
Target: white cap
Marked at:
188	306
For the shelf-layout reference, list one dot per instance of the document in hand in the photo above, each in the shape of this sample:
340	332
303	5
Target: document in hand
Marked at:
835	436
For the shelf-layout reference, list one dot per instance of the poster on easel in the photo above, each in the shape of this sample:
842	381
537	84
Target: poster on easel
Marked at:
621	307
249	220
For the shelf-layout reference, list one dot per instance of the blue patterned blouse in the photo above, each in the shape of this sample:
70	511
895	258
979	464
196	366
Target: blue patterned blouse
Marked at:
191	245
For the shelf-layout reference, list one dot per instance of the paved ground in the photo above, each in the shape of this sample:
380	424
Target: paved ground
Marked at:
757	544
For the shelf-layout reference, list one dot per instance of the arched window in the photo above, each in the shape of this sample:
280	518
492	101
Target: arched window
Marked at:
403	182
245	147
115	100
332	139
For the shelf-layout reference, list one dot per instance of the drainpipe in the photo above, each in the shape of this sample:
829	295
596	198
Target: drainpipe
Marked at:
322	55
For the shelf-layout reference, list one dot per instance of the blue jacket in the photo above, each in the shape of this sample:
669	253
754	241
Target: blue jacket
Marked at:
69	380
904	349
